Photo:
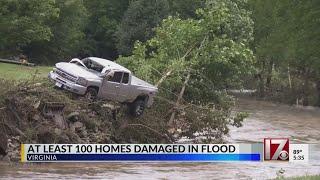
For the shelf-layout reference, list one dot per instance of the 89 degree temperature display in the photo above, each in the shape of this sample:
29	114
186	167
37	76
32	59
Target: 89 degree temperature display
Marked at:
299	153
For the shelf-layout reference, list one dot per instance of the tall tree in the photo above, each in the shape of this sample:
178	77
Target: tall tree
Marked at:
138	23
68	37
306	40
285	44
104	18
186	8
23	22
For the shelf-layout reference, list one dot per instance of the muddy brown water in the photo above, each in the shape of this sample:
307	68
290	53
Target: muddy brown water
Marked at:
301	125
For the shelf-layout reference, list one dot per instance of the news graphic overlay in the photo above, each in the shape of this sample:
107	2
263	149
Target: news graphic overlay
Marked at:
276	149
140	152
272	149
280	149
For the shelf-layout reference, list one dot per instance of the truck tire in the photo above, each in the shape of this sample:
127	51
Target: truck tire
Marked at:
91	94
137	107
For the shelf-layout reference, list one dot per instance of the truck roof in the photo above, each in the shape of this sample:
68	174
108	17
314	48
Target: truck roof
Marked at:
109	64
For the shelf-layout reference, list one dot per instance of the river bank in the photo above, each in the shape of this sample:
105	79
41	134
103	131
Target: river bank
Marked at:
265	119
253	94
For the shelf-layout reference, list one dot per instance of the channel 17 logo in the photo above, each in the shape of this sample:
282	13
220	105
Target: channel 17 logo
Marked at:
276	149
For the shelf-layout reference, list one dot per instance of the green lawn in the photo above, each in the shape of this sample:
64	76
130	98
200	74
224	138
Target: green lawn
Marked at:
20	72
307	177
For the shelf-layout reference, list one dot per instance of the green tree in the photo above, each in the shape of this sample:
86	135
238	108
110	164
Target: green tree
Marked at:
104	18
138	23
264	16
305	56
186	8
285	45
204	55
23	22
68	34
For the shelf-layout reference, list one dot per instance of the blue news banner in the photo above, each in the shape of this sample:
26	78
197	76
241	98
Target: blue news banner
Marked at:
140	152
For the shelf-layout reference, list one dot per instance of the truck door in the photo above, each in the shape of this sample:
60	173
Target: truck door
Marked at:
124	92
111	87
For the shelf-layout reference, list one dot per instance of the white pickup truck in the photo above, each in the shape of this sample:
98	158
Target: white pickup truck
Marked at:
100	78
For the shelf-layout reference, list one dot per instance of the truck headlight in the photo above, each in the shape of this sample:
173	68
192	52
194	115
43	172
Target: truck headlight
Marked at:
82	81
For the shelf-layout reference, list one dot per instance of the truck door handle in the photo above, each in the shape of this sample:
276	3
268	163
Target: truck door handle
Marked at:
117	86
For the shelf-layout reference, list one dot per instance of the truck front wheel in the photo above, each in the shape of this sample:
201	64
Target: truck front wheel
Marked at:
91	94
137	107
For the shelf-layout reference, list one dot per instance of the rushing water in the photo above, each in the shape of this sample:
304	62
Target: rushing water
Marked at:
301	125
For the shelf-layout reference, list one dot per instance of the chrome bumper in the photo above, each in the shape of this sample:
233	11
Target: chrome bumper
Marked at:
66	84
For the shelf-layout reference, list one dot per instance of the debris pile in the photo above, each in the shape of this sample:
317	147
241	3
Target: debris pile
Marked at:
39	113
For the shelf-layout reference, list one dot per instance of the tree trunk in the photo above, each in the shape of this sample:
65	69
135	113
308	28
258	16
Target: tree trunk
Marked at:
305	89
164	77
269	75
260	76
168	73
318	92
289	78
261	85
170	123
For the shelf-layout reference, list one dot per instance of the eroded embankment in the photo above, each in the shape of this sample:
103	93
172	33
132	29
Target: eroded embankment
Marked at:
38	113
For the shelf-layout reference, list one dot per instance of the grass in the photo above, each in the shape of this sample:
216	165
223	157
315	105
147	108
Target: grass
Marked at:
20	72
307	177
315	177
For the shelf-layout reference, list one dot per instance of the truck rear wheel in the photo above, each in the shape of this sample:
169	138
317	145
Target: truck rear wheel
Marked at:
137	107
91	94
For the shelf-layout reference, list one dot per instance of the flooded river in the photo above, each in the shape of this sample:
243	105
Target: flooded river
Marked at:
301	125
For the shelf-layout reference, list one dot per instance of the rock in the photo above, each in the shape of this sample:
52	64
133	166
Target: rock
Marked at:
63	139
36	117
78	124
89	123
16	138
75	126
13	149
92	114
82	133
3	143
57	131
38	84
37	105
45	136
59	121
172	130
15	156
6	158
74	138
73	117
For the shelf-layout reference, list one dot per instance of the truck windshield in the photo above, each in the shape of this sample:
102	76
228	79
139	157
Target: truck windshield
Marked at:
92	65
